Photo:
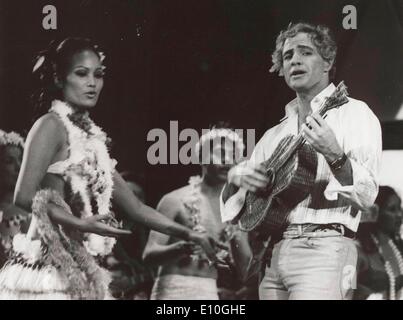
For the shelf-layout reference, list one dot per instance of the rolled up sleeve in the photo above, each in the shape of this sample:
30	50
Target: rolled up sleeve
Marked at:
362	143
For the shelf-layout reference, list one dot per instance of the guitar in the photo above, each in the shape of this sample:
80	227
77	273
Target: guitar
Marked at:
291	171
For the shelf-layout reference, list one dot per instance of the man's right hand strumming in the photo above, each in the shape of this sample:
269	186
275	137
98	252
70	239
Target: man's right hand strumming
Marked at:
249	176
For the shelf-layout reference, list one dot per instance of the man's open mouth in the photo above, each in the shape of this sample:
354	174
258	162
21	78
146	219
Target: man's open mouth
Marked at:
297	73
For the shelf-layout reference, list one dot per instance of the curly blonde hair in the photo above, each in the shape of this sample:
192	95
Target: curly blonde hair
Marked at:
320	36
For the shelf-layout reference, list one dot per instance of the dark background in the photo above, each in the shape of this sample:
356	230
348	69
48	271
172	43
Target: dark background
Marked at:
197	62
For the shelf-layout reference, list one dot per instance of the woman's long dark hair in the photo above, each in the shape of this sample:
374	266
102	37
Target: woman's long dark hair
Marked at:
53	63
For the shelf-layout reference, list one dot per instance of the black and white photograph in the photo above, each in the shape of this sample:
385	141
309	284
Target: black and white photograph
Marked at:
209	150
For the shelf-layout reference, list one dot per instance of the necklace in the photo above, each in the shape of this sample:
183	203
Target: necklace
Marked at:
388	267
88	170
192	204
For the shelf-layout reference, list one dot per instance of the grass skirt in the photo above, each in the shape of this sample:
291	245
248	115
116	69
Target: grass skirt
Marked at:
55	266
23	282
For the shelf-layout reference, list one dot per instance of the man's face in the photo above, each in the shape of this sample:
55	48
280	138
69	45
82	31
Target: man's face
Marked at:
304	69
221	159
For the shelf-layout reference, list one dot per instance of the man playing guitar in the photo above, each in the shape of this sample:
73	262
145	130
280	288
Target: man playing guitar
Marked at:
316	255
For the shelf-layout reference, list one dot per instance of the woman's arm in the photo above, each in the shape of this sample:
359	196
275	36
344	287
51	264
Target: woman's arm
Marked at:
157	254
93	224
158	251
43	142
133	208
141	213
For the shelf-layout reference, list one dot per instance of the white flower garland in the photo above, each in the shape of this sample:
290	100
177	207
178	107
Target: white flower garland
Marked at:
11	138
399	259
192	204
89	169
221	133
388	267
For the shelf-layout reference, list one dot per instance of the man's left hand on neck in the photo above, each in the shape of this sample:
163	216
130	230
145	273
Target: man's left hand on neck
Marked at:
321	137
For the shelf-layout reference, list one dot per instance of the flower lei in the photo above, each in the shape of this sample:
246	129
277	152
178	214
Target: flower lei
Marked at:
388	267
11	138
89	170
192	204
220	133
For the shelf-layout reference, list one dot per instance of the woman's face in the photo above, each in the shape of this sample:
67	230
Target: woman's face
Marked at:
84	80
10	166
390	215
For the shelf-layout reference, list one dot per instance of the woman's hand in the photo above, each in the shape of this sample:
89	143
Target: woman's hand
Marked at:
184	247
225	263
97	224
209	245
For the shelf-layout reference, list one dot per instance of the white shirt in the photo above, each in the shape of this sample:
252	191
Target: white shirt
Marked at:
358	132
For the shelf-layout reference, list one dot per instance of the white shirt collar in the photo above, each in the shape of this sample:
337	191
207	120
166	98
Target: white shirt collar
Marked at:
292	106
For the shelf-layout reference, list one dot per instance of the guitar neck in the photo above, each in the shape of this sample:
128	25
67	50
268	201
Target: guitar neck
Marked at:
292	148
300	140
338	98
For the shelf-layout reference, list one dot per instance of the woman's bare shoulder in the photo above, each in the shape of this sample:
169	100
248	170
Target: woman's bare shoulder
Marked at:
48	127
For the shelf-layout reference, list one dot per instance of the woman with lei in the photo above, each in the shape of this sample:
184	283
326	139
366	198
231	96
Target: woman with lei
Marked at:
184	271
13	220
68	180
380	263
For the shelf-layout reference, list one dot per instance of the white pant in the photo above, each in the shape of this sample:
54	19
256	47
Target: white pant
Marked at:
180	287
311	267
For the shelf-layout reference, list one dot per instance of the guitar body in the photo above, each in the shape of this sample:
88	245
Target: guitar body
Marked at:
292	172
291	183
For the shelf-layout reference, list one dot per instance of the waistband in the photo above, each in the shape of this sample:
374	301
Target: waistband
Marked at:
181	287
309	230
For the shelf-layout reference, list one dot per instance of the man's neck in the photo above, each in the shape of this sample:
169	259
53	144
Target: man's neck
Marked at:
304	99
